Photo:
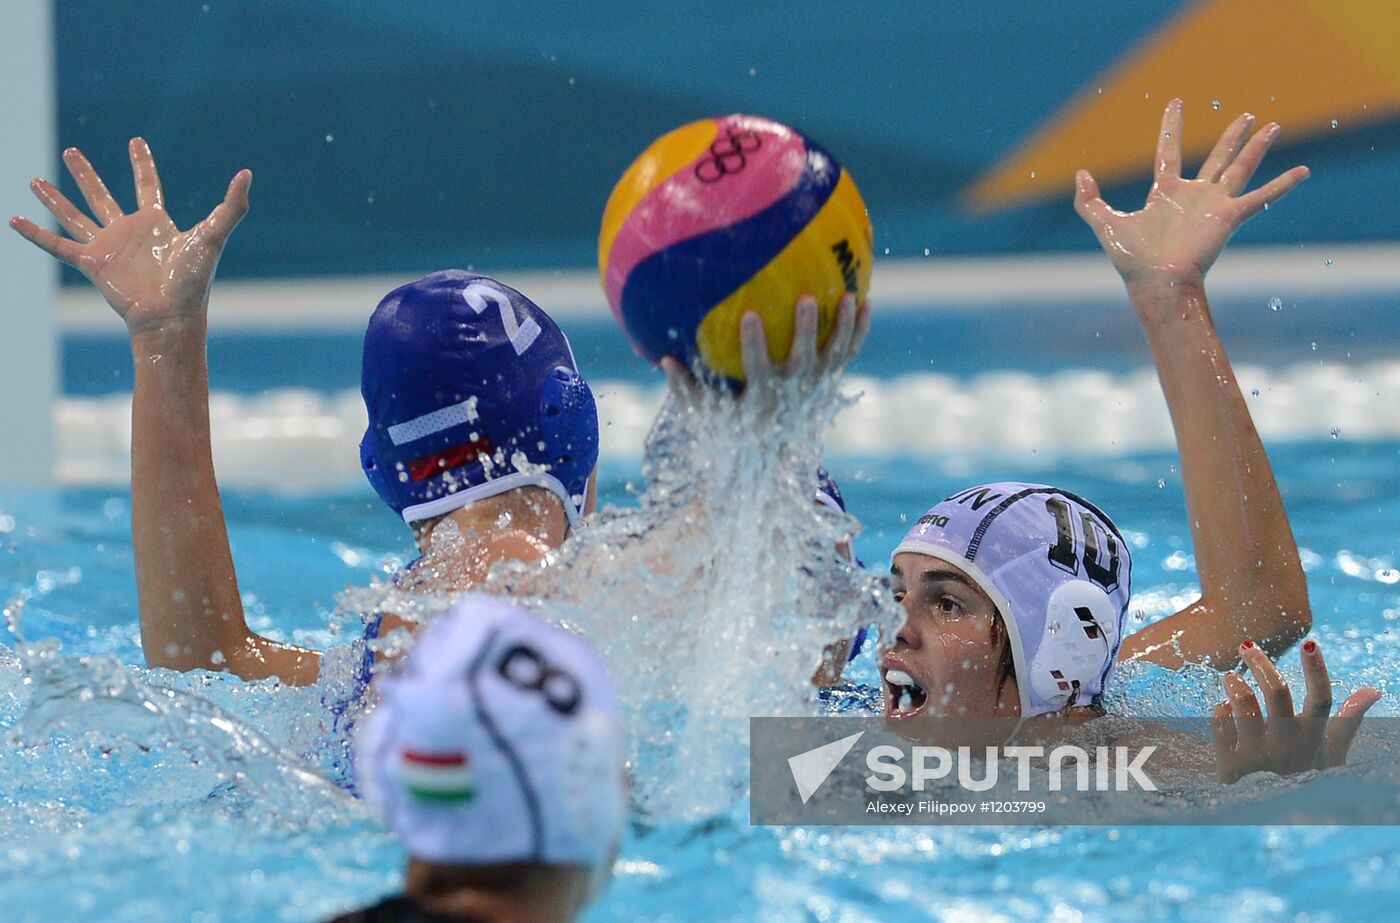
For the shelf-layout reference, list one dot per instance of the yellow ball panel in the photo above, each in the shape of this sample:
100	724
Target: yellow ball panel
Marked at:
831	256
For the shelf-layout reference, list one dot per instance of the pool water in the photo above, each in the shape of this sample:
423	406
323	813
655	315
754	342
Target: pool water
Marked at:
135	794
94	827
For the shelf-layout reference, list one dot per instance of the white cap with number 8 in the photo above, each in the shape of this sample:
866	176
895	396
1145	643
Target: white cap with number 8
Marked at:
497	740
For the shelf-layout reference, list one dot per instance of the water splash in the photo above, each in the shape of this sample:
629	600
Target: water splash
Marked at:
714	600
95	710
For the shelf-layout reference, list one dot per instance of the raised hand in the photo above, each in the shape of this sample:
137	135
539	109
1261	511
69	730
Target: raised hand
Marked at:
157	278
807	362
1181	229
1284	742
149	270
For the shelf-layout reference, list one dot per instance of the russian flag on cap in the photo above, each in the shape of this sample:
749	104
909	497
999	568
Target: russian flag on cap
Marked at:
440	777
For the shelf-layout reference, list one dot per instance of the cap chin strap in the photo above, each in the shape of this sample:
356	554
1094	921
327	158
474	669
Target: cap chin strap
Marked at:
1008	616
494	487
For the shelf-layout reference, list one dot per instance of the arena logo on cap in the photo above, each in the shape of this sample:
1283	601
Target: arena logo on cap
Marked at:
438	777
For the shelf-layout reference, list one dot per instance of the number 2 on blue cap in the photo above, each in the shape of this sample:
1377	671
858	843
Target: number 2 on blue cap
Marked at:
478	293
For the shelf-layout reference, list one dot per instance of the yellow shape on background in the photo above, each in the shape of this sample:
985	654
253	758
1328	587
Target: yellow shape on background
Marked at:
1301	63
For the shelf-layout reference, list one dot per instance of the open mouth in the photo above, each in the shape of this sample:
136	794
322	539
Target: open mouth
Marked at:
906	696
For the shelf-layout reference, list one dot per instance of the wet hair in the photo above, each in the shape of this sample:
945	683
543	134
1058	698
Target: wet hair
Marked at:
1000	637
431	879
422	528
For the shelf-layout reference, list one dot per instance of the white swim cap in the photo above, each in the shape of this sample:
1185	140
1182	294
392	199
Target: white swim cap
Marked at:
497	740
1059	573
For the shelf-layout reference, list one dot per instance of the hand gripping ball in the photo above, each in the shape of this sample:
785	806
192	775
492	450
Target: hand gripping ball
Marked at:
725	216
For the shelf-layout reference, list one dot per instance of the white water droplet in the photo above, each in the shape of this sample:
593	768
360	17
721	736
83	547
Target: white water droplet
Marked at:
1275	304
1161	483
1255	392
1335	123
1336	433
1215	104
329	138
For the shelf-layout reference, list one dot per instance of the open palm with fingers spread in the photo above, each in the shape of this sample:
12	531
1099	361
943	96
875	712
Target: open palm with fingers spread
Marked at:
1185	223
149	270
1284	742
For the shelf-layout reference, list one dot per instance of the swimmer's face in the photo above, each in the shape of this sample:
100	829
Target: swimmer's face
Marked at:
948	658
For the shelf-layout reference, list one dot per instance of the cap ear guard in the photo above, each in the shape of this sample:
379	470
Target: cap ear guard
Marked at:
569	429
1079	647
374	473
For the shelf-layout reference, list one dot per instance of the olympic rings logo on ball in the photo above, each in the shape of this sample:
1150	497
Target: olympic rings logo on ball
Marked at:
728	155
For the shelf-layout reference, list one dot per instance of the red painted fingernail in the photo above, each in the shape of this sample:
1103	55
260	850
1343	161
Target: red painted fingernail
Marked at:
1309	646
1247	645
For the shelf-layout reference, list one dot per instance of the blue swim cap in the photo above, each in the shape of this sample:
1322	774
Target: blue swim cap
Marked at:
472	391
828	494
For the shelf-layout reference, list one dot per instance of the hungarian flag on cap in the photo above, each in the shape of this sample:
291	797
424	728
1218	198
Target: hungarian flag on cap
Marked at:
444	777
